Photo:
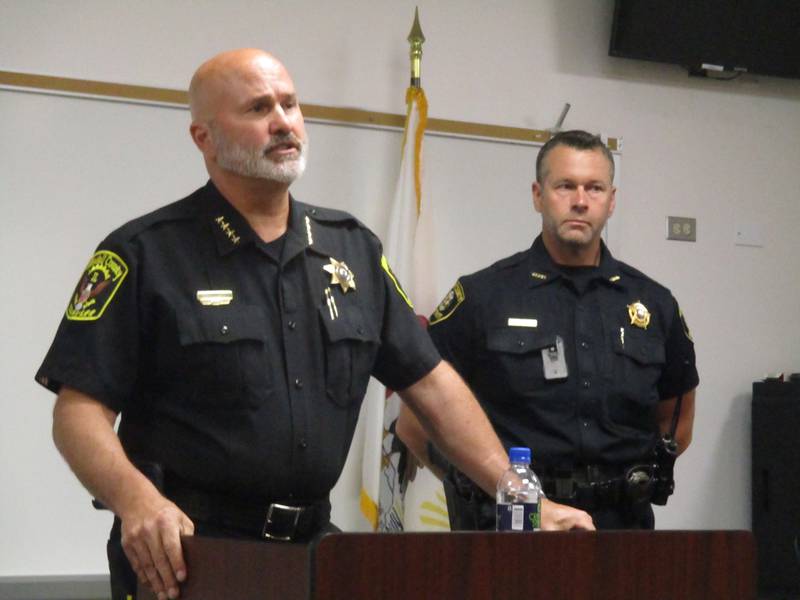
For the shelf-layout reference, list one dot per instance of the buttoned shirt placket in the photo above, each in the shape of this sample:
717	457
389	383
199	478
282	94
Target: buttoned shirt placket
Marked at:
296	323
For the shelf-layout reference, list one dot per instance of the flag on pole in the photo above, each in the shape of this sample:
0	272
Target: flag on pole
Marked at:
408	243
424	504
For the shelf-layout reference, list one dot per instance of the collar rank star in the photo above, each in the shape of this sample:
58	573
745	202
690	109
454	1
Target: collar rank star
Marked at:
341	274
640	316
227	229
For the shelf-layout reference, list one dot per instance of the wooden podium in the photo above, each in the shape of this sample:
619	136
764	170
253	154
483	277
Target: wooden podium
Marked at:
607	565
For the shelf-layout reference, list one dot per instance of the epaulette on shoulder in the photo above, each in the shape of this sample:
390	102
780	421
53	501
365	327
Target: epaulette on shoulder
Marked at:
631	271
637	274
498	267
185	208
328	215
509	261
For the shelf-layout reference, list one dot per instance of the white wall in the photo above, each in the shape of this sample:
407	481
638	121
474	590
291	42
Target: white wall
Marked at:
72	169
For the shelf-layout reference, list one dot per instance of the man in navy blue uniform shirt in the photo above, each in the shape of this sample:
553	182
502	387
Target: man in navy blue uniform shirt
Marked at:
235	331
570	352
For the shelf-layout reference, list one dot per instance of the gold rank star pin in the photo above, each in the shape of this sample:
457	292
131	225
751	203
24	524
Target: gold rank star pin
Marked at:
341	275
640	316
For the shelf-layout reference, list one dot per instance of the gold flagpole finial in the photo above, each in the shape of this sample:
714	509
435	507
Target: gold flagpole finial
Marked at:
416	39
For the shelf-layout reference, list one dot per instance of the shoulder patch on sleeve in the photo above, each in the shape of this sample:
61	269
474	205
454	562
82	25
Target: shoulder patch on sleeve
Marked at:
685	326
97	286
385	266
449	304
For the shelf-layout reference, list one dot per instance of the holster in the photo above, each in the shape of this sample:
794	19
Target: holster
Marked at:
655	481
666	451
122	577
468	506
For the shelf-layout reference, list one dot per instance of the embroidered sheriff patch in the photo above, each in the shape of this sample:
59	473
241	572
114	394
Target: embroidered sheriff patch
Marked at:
449	304
94	292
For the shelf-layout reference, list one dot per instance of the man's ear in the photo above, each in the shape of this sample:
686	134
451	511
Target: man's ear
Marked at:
536	189
613	201
201	136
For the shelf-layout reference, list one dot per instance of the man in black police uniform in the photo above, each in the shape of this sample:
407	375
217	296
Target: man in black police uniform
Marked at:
235	331
570	352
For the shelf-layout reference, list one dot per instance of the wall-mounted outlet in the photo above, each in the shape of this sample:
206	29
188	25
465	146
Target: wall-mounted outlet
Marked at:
749	234
683	229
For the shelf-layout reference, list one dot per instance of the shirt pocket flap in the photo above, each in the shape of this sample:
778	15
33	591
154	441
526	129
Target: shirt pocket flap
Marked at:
641	347
349	324
518	340
222	324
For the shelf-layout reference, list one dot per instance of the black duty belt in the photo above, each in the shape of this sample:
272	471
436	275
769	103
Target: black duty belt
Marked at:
272	520
587	485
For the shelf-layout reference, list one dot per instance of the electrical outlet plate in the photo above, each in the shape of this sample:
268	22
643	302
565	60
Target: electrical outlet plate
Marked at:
749	234
682	229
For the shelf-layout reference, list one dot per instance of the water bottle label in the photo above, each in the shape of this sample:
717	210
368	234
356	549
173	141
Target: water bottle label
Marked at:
518	517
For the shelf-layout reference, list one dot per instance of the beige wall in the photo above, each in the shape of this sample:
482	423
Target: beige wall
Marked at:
724	153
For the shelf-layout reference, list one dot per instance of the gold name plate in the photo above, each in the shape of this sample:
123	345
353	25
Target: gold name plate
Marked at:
214	297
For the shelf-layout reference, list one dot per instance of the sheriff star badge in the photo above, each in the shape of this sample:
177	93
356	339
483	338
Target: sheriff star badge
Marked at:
639	315
341	275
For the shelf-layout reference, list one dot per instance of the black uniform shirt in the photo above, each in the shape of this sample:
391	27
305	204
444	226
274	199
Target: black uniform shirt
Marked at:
624	342
238	365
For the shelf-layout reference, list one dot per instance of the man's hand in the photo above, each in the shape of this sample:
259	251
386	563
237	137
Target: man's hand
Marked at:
559	517
151	540
83	430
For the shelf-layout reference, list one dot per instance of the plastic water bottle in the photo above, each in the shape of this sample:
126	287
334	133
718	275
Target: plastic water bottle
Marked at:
518	494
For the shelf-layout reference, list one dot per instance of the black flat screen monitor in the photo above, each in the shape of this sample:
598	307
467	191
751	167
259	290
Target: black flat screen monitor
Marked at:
754	36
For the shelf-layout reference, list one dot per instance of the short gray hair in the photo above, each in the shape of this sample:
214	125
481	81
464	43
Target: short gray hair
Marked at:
577	139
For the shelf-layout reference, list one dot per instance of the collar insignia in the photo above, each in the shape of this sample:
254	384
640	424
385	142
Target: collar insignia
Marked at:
308	232
640	316
226	228
537	275
340	275
614	279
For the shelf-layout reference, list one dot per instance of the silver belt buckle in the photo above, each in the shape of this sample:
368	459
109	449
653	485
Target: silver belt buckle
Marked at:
289	528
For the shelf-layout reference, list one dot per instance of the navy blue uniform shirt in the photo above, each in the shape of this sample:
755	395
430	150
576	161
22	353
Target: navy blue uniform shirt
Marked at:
240	366
625	345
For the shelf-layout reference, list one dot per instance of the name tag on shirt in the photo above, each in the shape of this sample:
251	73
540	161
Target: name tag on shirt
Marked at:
516	322
214	297
554	360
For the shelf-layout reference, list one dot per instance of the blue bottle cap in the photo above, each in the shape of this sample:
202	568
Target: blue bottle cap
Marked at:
517	455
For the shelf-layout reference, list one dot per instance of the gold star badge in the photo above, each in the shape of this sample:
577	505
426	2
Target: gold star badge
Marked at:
640	316
341	275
